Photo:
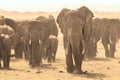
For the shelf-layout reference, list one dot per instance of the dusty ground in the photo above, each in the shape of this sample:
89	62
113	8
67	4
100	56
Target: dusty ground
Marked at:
98	69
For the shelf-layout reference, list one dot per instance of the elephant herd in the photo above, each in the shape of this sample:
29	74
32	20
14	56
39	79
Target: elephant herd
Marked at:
37	39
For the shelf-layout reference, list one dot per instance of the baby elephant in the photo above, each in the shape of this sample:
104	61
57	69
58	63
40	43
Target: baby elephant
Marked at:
51	48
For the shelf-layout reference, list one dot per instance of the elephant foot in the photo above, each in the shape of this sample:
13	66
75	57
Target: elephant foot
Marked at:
70	70
6	67
79	72
0	66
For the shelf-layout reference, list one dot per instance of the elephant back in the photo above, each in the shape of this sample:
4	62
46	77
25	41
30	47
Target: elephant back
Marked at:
6	30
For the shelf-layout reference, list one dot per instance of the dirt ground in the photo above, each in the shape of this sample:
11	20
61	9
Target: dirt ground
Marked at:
100	68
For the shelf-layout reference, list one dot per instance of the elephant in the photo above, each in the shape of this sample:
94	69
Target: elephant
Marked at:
17	44
53	28
110	37
51	48
107	30
39	32
5	45
76	28
96	36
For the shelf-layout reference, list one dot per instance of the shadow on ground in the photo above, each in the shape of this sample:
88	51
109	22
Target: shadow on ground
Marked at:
98	59
92	75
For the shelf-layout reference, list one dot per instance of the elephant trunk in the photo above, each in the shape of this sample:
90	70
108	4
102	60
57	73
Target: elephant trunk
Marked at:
77	55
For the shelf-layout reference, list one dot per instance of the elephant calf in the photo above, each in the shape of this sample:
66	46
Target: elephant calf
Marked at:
51	48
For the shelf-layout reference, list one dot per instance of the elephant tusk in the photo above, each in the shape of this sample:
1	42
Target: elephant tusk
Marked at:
30	41
39	41
111	41
94	41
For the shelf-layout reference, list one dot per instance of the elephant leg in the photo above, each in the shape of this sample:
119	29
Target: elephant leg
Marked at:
54	51
6	59
30	55
105	45
0	64
26	52
36	56
78	57
53	56
18	52
69	60
49	57
112	50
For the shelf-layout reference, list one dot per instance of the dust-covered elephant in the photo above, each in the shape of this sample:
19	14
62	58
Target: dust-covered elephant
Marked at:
76	28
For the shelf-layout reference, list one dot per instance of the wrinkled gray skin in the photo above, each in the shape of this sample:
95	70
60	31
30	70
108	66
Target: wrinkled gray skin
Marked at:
76	28
51	48
108	30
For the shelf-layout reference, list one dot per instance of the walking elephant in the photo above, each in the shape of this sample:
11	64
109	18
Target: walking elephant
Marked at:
110	37
39	32
17	44
5	45
76	28
107	30
51	48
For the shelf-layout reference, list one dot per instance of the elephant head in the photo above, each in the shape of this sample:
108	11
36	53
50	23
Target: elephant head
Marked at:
51	22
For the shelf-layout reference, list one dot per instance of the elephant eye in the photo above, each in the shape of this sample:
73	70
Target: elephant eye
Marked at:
81	24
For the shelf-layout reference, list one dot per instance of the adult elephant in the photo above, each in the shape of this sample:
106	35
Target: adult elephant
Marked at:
76	28
53	28
6	34
17	39
39	32
110	37
96	36
108	31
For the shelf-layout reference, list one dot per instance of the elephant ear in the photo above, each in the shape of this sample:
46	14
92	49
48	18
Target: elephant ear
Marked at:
85	11
11	23
61	15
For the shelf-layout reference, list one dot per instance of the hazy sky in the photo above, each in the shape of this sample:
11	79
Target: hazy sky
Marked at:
56	5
